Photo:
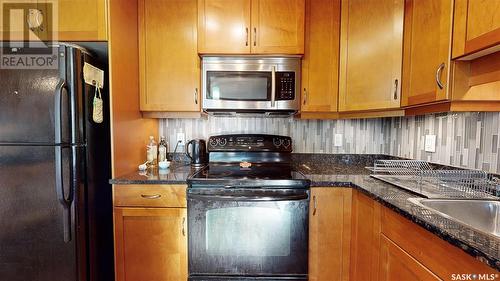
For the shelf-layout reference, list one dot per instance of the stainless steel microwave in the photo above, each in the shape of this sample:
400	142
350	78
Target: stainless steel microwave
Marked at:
251	85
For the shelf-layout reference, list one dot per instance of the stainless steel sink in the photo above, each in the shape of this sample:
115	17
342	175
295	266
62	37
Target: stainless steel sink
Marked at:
483	215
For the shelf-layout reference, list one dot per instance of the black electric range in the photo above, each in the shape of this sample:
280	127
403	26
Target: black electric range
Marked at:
248	212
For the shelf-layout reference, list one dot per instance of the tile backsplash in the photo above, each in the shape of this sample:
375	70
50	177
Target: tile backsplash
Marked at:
363	136
468	140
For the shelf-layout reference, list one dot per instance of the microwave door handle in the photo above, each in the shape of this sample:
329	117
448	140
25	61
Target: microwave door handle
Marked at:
273	86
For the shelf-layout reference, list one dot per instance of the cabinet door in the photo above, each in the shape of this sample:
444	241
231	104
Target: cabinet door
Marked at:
396	264
169	62
278	26
371	54
320	65
224	26
78	20
426	51
476	26
365	240
329	233
150	244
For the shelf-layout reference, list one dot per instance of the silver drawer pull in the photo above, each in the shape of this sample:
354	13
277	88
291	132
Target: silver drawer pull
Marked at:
438	75
150	196
183	228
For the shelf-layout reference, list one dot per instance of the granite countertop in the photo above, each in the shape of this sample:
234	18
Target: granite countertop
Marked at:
178	173
349	171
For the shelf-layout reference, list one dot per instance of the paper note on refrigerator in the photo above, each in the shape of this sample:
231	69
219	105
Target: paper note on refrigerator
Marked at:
93	75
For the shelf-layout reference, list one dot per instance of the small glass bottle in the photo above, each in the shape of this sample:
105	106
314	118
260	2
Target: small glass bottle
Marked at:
152	151
162	149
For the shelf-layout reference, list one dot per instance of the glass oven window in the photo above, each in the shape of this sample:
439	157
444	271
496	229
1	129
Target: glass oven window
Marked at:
239	85
248	231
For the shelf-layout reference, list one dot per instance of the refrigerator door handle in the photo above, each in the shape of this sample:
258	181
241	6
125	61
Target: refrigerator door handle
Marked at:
58	111
63	200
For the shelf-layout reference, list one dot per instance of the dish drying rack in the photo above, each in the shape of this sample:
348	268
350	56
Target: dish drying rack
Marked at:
419	177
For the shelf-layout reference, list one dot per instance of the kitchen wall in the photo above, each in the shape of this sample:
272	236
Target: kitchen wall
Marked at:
309	136
467	139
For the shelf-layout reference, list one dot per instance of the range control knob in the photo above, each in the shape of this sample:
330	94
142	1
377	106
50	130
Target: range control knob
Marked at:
222	141
277	142
286	143
213	142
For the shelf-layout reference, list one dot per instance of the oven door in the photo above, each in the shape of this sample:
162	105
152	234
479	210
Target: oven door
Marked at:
248	232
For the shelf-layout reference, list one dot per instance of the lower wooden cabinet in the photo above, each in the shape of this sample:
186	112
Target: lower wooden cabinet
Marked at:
396	264
329	233
150	223
151	244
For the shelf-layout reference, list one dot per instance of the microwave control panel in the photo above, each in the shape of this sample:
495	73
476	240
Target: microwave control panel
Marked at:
285	85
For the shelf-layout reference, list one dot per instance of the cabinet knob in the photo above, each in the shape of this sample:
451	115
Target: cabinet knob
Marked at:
150	196
183	227
196	95
396	82
314	205
305	96
255	36
246	37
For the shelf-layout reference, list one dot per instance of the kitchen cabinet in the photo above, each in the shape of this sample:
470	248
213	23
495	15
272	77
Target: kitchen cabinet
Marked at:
365	237
169	63
426	61
320	64
396	264
329	233
150	232
62	20
371	42
476	26
251	26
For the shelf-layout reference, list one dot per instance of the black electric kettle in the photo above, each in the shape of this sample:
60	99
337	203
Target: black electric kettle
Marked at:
196	150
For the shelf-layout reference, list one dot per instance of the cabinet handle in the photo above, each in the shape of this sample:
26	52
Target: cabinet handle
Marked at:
246	42
196	95
255	36
183	228
305	96
150	196
438	75
396	82
314	205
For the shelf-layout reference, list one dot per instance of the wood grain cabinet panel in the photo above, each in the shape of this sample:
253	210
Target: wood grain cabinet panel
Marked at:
150	244
62	20
329	233
397	265
278	26
426	61
320	64
365	239
371	54
168	56
476	26
224	26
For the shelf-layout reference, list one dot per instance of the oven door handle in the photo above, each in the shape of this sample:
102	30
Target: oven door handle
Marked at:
273	86
289	197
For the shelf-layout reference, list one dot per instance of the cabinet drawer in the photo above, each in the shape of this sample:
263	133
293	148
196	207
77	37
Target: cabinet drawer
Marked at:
173	196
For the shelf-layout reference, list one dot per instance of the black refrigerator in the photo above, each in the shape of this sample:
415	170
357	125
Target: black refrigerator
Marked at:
55	200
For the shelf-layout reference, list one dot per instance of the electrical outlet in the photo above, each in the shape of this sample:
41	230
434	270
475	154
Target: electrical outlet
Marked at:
430	143
182	138
337	140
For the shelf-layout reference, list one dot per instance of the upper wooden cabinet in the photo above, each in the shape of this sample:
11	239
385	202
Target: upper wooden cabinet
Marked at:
320	65
224	26
251	26
476	26
426	61
370	54
329	233
169	62
62	20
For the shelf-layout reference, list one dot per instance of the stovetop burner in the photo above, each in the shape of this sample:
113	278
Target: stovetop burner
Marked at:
268	155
